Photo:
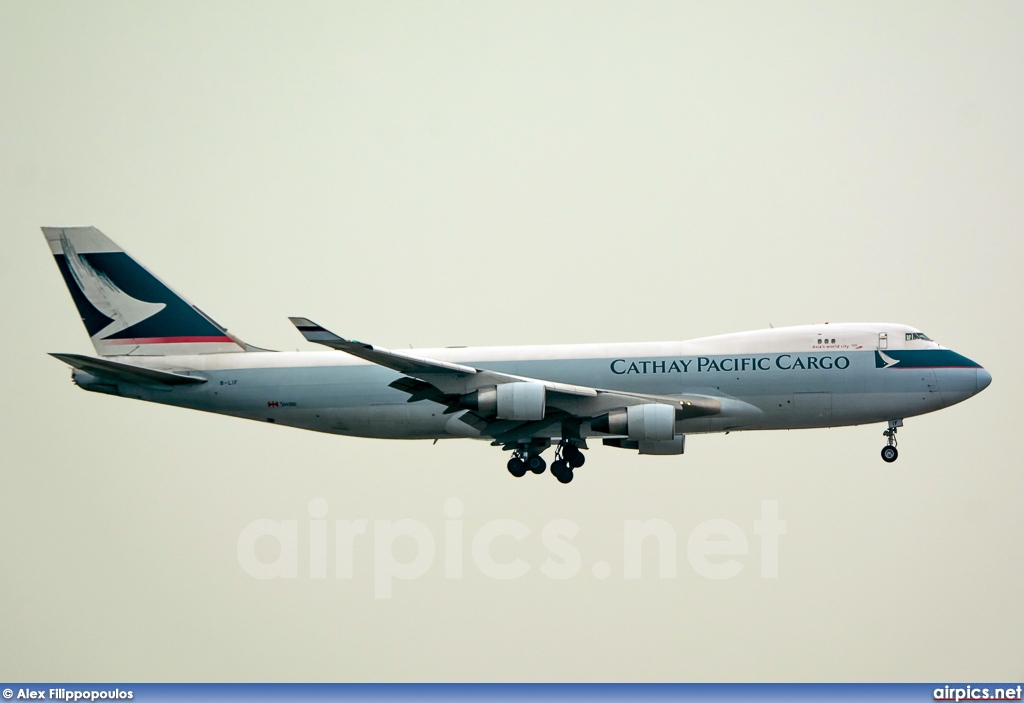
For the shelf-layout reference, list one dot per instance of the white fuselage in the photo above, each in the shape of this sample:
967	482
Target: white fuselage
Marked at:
796	377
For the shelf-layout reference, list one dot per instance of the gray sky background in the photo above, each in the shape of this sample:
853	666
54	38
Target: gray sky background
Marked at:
504	173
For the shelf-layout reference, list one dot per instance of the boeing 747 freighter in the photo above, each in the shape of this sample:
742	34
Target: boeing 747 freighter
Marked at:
154	345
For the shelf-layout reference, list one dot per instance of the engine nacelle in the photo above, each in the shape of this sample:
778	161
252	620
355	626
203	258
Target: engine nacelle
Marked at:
521	401
651	422
510	401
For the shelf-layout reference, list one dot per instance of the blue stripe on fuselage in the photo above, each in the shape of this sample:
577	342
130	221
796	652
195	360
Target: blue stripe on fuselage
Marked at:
925	359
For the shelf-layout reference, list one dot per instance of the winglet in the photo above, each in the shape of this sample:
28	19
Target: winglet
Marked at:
319	335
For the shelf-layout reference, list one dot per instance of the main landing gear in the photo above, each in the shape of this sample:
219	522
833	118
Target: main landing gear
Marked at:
567	457
889	451
521	462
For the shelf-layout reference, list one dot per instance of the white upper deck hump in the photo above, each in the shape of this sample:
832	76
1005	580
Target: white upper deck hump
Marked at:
845	336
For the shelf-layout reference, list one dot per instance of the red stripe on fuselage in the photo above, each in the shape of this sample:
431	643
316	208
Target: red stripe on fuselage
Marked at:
171	340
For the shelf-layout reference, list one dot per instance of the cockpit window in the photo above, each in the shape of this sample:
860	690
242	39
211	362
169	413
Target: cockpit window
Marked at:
911	336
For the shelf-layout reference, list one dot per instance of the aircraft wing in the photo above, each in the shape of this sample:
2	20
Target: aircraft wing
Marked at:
422	367
445	383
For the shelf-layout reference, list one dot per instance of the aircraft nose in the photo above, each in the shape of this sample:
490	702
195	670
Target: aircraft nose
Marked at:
984	378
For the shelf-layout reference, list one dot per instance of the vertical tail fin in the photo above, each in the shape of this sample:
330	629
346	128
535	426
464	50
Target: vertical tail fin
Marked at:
125	308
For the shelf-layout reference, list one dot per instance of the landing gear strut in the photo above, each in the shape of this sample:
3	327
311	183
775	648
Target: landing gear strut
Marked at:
567	457
889	451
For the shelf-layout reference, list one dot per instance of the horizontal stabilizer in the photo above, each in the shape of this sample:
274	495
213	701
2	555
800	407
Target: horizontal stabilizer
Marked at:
126	373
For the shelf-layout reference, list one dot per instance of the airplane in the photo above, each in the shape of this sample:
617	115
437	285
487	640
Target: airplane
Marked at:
154	345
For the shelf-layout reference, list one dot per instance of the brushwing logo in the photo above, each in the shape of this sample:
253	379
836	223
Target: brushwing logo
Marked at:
883	360
104	294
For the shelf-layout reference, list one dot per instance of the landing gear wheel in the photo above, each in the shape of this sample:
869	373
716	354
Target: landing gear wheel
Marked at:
517	467
576	459
536	464
561	470
571	454
889	451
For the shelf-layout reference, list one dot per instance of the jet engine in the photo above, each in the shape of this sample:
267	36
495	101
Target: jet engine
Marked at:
650	422
509	401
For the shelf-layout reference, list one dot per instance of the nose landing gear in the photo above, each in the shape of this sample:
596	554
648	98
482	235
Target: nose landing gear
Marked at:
889	451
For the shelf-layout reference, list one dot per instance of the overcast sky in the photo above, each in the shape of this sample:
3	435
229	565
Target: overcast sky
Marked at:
442	173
